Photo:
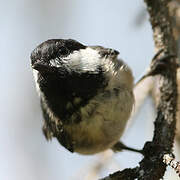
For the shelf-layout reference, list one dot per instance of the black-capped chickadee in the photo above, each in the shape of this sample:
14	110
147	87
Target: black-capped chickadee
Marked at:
86	94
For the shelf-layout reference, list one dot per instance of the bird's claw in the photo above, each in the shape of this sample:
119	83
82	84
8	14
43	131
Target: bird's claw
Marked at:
160	64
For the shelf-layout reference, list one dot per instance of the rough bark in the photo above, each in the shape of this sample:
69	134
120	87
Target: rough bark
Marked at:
152	167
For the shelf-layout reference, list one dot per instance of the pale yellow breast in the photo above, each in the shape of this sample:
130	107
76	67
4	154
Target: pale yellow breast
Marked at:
103	129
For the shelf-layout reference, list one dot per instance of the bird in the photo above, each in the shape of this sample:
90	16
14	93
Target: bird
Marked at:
86	94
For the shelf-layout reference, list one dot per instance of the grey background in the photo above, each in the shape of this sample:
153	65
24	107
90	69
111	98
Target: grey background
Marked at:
24	152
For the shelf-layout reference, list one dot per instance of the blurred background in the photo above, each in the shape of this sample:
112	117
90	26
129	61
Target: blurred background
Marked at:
122	25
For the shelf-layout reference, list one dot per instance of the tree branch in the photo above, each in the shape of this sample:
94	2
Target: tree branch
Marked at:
152	166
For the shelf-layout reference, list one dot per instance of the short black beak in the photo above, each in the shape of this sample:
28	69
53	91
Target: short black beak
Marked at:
43	67
39	66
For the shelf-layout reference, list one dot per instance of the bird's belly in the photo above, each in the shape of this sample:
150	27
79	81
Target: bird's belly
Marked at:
102	129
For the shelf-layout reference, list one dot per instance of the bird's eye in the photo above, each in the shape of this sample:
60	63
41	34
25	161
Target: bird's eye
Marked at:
63	51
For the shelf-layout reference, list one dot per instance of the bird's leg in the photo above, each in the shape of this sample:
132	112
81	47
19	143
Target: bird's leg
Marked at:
158	64
119	146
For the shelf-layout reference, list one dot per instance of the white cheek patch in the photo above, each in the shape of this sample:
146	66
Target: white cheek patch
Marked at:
41	95
74	59
84	60
35	74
